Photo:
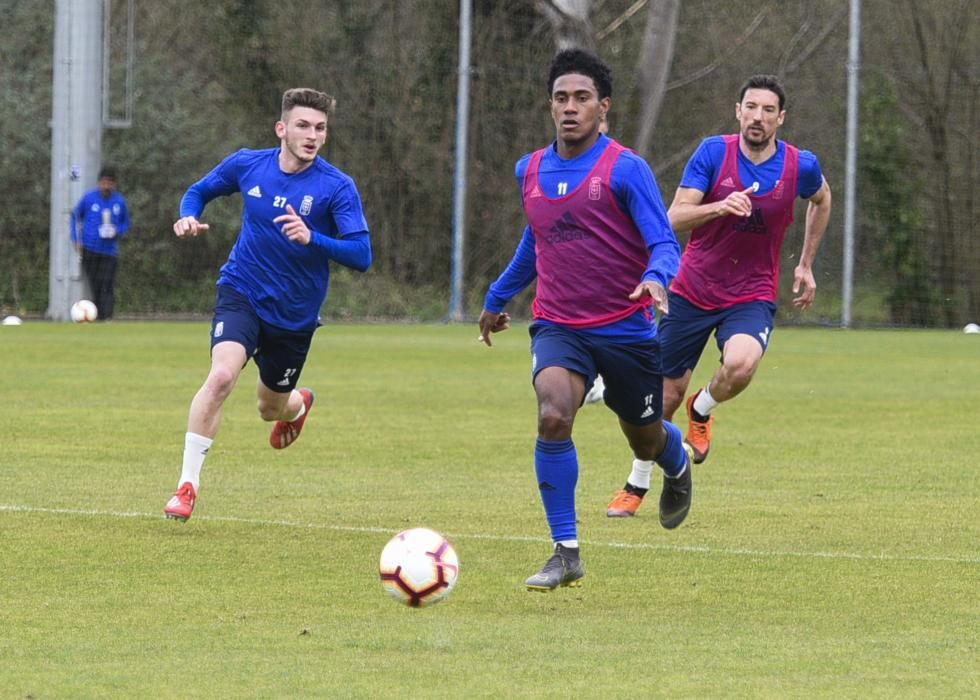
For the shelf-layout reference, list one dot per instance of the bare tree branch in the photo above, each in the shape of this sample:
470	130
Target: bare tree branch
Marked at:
700	73
681	154
570	22
653	66
923	45
913	116
619	21
798	37
960	26
818	40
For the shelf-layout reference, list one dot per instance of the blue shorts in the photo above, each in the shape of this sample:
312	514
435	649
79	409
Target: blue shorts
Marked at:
684	331
631	371
279	353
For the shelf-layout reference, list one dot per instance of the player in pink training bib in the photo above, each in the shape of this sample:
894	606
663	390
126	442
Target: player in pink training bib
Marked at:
737	197
599	247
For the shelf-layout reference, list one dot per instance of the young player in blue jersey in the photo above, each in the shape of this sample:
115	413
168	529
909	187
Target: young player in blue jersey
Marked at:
98	222
599	245
737	197
300	214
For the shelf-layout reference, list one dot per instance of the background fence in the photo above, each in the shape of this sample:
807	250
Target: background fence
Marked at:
208	78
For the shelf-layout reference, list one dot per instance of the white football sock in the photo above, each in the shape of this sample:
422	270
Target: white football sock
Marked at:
195	450
640	475
705	402
572	544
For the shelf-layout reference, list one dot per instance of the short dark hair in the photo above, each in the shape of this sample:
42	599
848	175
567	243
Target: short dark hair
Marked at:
763	81
307	97
584	63
107	171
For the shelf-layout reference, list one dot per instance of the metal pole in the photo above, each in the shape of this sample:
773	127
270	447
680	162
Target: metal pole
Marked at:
459	176
850	167
76	139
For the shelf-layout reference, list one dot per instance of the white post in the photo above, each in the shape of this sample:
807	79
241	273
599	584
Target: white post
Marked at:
459	176
76	139
850	165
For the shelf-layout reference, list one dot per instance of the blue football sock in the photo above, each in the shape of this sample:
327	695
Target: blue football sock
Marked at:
556	466
673	458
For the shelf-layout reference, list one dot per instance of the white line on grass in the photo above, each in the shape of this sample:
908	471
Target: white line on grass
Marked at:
696	549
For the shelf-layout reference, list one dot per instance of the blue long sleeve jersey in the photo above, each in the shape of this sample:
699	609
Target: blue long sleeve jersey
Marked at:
636	191
94	211
286	281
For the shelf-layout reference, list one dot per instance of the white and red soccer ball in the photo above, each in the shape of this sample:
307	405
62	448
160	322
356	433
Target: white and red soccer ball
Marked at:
83	311
418	567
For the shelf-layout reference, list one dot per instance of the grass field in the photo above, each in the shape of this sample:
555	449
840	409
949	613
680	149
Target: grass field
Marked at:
832	549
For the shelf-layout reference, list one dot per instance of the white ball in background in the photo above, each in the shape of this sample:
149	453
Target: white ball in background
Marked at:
971	328
84	311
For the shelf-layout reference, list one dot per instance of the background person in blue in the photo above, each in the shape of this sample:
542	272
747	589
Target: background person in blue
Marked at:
104	219
300	214
600	246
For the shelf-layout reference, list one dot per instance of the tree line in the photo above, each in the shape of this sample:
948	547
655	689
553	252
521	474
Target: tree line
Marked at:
208	81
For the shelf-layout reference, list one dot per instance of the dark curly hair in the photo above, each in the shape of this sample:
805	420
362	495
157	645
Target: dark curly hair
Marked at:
584	63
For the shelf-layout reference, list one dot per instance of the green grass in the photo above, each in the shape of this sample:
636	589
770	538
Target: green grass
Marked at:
832	550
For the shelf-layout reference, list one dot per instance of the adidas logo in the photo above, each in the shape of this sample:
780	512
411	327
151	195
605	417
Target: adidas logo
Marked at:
647	413
728	182
283	382
255	192
755	223
566	229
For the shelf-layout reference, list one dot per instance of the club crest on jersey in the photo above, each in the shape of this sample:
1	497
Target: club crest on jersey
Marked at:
595	188
306	206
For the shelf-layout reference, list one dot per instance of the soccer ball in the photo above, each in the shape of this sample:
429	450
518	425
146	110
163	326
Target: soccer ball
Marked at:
418	567
84	311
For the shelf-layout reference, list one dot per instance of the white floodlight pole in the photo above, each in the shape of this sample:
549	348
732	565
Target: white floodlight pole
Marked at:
850	167
76	139
459	176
